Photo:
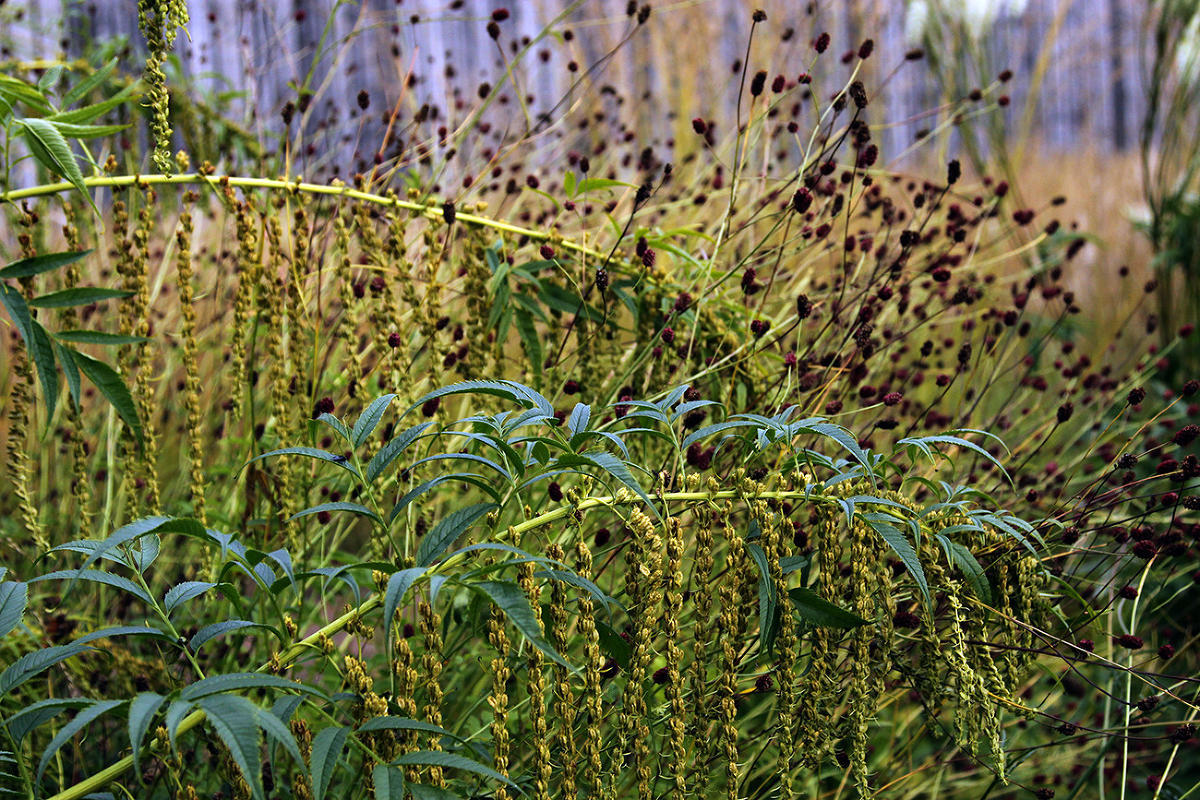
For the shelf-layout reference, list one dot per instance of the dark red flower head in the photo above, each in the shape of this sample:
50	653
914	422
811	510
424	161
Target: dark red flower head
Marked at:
1186	435
1129	641
1144	549
802	200
324	406
953	172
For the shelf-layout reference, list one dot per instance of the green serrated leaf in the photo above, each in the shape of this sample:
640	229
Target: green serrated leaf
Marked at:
98	337
42	350
141	713
397	586
820	612
13	597
174	715
962	558
421	791
81	89
768	600
530	340
37	341
403	724
50	149
275	728
412	494
369	419
109	382
15	90
615	467
73	130
594	184
337	425
85	114
71	370
181	593
209	632
234	719
114	631
388	453
436	758
509	598
68	731
342	505
36	265
28	719
50	78
97	576
900	545
447	530
309	452
509	390
240	681
31	664
327	749
389	782
124	535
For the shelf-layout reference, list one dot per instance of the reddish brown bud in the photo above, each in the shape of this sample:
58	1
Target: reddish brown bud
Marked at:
758	82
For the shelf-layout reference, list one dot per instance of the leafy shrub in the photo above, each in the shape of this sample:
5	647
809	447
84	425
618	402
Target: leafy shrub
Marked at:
678	479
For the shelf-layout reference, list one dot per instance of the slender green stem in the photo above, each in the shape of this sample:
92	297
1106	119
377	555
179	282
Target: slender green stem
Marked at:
430	210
